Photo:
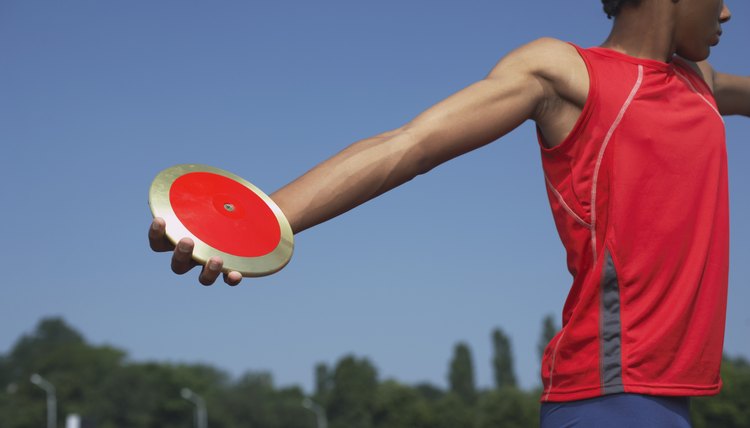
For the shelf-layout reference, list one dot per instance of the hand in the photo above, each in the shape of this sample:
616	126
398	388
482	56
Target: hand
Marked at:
182	257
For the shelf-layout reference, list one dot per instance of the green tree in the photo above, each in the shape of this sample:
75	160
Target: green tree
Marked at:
461	374
451	411
147	395
291	413
508	408
731	408
322	381
353	394
253	401
33	351
399	406
97	383
502	362
549	330
429	392
61	355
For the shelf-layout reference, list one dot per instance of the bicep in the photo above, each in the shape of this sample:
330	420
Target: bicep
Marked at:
732	93
480	113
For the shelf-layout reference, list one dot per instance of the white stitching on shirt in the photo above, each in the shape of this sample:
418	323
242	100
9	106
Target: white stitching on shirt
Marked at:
611	131
692	87
564	204
552	368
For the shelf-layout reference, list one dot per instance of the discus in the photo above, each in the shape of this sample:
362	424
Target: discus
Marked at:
225	216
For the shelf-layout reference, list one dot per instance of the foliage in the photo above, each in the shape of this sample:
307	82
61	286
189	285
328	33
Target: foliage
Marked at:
502	361
353	394
731	408
100	383
508	408
397	405
461	375
323	380
549	330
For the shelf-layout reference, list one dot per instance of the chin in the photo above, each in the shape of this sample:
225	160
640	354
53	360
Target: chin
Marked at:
695	55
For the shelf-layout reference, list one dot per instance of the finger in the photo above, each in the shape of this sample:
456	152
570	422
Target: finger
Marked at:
232	278
157	236
182	258
211	271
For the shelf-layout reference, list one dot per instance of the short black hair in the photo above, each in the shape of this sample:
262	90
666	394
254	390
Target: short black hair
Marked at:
612	7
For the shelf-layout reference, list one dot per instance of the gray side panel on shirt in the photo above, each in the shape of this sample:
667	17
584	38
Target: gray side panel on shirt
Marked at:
610	329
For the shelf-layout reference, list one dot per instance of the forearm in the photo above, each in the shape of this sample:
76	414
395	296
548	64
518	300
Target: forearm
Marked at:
355	175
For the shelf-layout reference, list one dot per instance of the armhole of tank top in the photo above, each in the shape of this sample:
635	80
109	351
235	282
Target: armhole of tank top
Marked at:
583	119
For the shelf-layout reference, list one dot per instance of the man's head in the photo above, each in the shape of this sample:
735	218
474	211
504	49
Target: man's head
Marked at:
693	25
698	26
612	7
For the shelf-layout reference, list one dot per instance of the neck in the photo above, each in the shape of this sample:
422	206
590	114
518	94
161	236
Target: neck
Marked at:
645	31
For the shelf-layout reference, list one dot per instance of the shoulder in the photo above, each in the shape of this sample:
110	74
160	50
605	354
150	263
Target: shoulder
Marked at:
731	91
545	57
702	69
556	64
558	68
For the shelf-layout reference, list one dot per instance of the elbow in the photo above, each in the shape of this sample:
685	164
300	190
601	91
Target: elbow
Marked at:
424	165
420	158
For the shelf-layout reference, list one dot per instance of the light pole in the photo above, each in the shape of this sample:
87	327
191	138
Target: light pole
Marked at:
201	415
51	399
320	413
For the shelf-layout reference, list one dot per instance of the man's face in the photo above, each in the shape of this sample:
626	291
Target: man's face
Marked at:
699	27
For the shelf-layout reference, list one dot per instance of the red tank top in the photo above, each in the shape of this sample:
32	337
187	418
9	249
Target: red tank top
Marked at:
639	195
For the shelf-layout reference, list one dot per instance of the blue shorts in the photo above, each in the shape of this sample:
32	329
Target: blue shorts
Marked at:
618	411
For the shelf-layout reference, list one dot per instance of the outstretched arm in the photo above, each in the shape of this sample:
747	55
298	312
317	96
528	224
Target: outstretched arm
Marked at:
732	93
469	119
518	88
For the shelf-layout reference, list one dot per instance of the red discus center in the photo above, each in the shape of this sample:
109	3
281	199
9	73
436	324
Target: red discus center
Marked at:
225	214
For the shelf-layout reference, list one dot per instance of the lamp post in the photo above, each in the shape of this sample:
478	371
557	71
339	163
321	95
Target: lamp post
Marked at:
320	413
201	415
51	399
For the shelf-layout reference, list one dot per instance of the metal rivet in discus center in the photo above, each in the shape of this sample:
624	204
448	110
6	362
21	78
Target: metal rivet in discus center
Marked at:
229	207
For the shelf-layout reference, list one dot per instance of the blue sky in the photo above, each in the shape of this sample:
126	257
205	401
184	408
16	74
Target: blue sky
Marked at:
96	97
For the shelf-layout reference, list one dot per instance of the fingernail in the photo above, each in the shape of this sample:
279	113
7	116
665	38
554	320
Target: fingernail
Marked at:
183	248
214	266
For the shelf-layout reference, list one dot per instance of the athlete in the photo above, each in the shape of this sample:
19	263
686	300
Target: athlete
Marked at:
633	150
